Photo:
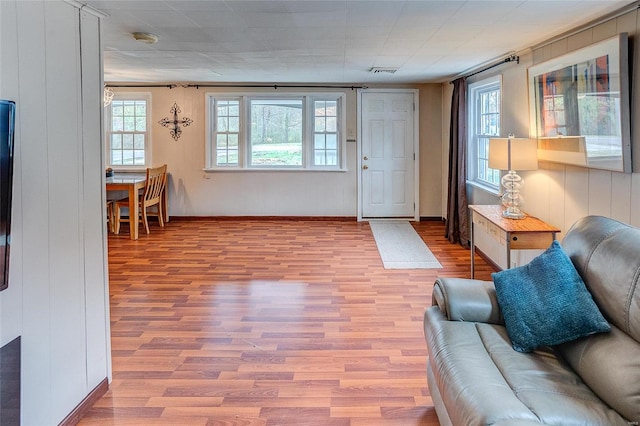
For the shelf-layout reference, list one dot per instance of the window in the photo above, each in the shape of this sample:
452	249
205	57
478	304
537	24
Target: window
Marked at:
290	131
554	115
227	131
127	119
484	123
276	132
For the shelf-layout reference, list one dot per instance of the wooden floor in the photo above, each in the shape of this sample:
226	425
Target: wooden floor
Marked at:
269	322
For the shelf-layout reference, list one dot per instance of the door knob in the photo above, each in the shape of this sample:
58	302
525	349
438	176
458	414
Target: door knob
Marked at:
365	167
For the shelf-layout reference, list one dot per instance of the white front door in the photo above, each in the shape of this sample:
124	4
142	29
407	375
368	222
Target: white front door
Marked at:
387	155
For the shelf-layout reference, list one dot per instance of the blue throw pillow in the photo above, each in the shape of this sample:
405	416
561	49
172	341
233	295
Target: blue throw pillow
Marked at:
545	302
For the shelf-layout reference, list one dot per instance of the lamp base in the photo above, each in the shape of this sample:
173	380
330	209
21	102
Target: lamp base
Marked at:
513	213
511	198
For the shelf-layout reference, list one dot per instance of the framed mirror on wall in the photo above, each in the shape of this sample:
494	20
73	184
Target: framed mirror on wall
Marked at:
579	106
7	126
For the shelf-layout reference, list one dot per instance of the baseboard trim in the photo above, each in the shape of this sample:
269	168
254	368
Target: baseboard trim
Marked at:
300	218
318	218
432	219
74	417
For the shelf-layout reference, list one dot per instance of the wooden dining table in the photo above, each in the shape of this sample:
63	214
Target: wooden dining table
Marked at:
133	183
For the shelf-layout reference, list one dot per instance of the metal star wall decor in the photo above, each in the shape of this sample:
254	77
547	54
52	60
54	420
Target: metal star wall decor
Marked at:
168	122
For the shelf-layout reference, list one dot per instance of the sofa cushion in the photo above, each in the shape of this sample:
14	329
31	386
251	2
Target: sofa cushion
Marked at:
605	254
609	363
546	302
483	381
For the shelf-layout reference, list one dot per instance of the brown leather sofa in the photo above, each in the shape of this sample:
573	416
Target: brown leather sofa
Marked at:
476	378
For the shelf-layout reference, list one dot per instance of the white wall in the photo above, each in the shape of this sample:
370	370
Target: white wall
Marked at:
193	192
57	298
561	194
433	172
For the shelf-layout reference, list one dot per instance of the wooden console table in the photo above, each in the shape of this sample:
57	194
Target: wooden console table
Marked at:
508	234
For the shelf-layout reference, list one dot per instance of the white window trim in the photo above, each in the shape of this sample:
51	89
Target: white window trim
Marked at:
307	144
144	96
342	138
472	147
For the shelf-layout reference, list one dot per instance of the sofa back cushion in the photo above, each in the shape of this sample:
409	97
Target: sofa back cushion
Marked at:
606	254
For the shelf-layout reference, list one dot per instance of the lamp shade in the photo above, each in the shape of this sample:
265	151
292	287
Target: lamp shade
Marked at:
513	154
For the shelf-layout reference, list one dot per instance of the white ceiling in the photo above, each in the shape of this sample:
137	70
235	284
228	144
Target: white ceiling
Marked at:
319	41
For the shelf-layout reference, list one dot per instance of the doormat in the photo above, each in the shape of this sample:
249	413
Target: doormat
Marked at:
401	247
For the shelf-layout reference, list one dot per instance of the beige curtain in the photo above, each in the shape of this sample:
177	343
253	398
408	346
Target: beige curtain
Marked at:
457	229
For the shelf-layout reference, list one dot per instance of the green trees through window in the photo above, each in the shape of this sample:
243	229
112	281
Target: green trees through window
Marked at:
276	132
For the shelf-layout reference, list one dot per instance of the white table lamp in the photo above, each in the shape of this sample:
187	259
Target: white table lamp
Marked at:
513	154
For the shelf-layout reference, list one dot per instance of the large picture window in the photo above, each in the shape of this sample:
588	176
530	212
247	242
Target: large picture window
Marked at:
290	131
484	123
127	121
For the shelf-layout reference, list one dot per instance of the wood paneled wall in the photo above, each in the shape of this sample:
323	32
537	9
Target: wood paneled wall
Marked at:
57	298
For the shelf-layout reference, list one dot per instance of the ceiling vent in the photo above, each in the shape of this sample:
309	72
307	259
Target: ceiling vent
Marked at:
145	37
387	70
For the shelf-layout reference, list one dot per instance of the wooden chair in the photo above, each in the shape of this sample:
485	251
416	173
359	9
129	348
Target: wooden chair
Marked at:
150	196
111	218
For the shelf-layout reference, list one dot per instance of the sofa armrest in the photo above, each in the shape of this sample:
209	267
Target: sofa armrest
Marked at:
462	299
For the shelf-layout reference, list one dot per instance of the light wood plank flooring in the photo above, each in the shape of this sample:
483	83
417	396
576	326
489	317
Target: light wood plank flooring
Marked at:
269	322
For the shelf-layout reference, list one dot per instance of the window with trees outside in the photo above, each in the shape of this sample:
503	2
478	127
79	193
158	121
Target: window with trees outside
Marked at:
127	119
483	124
292	131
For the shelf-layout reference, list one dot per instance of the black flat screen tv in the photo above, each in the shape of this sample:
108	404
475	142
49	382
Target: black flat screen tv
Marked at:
7	126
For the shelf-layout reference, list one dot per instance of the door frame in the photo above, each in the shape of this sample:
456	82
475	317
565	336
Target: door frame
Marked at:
416	146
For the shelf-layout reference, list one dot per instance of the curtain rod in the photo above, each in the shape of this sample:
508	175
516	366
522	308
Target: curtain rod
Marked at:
273	86
510	58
